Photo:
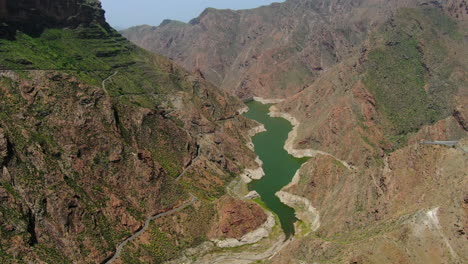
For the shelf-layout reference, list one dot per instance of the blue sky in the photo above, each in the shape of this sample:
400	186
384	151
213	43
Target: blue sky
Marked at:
127	13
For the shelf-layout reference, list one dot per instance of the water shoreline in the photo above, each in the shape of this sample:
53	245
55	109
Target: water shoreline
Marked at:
276	241
301	205
289	145
253	174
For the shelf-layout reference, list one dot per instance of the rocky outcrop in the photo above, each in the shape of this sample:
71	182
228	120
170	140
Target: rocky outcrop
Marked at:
93	148
370	202
237	218
304	209
85	162
251	237
360	117
342	114
253	174
252	195
33	16
461	115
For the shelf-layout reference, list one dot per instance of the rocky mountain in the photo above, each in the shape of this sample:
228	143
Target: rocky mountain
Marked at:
32	16
97	136
365	82
272	51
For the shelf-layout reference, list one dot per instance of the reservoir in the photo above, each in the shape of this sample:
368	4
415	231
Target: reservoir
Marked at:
278	165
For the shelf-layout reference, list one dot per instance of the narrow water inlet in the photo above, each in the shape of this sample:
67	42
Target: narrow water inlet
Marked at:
278	165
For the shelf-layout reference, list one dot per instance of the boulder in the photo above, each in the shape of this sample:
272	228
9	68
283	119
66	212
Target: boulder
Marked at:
252	195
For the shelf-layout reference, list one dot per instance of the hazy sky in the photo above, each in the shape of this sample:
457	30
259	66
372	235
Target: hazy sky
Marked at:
127	13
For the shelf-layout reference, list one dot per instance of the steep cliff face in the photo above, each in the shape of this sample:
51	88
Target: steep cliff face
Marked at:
94	132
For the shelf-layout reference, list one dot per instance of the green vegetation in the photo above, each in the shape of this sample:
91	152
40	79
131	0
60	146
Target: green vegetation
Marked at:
408	73
171	193
397	77
297	76
9	188
442	22
90	55
51	255
167	240
15	217
203	185
338	164
55	49
161	247
75	143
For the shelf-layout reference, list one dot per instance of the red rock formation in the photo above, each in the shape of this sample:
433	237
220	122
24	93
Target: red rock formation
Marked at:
236	218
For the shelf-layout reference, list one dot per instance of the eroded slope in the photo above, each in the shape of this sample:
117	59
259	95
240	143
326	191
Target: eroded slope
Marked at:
94	132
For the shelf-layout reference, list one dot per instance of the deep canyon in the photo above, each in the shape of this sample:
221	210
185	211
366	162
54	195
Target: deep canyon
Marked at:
145	145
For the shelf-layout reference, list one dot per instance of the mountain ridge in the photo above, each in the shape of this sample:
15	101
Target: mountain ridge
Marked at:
306	51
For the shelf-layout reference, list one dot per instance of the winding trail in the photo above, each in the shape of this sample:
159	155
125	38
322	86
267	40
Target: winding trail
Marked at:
276	247
145	227
190	164
107	79
148	221
454	143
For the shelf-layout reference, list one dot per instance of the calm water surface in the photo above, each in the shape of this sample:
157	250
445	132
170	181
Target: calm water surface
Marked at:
278	165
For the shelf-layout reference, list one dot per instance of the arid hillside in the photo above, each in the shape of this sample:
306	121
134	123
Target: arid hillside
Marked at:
95	136
277	50
366	83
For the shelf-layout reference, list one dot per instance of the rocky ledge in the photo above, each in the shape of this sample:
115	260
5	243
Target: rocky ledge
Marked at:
267	101
254	174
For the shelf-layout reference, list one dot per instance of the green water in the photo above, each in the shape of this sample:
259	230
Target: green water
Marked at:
278	165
